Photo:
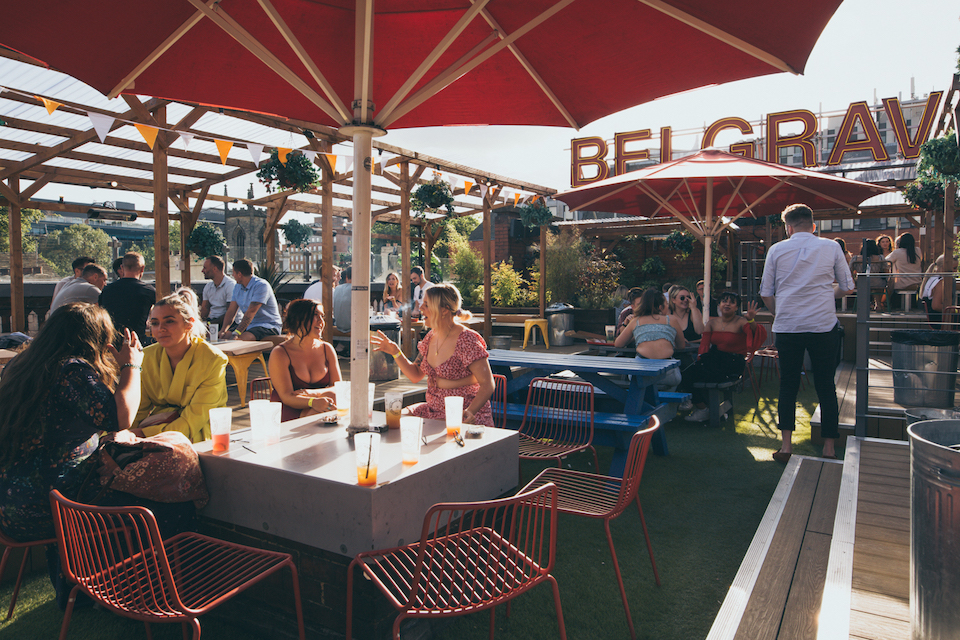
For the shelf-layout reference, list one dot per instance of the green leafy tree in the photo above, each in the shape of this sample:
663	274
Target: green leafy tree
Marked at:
149	254
939	164
564	256
62	247
599	279
27	217
507	285
466	266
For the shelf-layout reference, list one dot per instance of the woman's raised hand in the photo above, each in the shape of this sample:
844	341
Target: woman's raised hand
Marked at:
751	311
380	342
130	352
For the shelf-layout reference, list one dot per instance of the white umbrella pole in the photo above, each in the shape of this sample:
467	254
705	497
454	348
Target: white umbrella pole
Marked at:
708	252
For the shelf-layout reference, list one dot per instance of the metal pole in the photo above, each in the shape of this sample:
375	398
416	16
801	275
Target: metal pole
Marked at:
863	355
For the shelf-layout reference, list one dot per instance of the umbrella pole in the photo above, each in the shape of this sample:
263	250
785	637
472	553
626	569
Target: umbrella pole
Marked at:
708	251
360	293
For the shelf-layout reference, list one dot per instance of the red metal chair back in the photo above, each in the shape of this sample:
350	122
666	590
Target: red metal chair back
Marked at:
633	471
260	389
9	545
498	401
559	411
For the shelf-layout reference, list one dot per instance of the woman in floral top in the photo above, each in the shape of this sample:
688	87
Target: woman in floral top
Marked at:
57	396
452	357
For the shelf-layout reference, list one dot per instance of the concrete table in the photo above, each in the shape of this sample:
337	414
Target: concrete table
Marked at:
304	488
241	354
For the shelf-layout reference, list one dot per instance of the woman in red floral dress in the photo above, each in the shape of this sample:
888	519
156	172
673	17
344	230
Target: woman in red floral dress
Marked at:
452	357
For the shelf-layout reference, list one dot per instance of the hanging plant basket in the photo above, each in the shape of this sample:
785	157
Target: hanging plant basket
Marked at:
206	240
536	214
681	242
431	197
298	173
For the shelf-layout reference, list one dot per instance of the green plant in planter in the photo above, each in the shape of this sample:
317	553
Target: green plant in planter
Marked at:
298	173
535	214
506	285
206	240
274	275
681	242
432	196
598	281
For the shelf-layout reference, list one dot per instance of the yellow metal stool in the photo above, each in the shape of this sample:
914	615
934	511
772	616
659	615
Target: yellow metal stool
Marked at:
528	326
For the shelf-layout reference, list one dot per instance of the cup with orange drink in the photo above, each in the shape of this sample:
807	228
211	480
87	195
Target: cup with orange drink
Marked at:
221	419
454	414
367	446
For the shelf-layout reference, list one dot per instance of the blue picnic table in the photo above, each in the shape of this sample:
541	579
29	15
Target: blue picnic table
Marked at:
639	400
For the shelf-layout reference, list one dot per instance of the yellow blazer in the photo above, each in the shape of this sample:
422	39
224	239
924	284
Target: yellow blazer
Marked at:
198	385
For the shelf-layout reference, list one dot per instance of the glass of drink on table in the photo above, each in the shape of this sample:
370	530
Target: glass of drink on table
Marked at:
220	421
411	434
368	457
454	414
342	391
393	405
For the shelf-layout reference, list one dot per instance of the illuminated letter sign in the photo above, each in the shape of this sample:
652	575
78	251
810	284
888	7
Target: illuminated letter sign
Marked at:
577	161
666	144
804	139
858	112
745	149
622	156
911	148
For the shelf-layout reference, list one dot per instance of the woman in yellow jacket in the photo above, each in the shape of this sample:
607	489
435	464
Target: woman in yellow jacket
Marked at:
183	376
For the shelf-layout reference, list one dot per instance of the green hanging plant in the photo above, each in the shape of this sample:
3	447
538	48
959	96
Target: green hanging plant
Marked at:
206	240
681	242
431	197
535	214
298	173
939	163
297	233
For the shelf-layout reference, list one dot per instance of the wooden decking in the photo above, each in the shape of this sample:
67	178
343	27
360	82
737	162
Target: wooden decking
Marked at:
885	416
831	558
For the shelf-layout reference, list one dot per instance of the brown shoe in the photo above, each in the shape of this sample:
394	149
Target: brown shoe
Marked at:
782	456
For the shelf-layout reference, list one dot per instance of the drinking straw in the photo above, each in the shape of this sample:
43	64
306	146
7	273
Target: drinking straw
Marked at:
369	457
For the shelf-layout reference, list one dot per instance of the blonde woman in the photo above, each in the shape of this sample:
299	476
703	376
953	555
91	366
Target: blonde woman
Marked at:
391	294
183	375
683	308
452	357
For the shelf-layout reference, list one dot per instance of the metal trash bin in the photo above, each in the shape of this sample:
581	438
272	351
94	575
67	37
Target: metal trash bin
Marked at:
382	366
500	342
935	529
921	414
560	320
925	367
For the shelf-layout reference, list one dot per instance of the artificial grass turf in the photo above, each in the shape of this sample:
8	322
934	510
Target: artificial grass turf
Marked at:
702	504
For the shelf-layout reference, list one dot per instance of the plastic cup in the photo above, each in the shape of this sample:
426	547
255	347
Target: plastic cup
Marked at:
342	391
611	331
213	332
411	432
368	457
393	405
221	420
454	411
265	421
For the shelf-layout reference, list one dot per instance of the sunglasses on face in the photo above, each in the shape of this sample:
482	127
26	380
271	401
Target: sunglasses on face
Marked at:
683	298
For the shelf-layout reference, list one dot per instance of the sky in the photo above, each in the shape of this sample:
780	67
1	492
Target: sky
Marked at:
869	48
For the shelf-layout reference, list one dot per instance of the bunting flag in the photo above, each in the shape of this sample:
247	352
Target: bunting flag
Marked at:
223	147
332	159
101	124
149	133
467	185
282	154
51	105
347	164
516	198
483	190
452	181
311	155
187	138
2	89
256	150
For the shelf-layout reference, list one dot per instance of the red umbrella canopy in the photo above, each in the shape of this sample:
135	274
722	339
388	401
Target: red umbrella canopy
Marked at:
737	185
429	62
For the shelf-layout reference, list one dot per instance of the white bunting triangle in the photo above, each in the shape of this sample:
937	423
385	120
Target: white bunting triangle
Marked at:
311	155
255	150
101	124
187	138
347	164
483	190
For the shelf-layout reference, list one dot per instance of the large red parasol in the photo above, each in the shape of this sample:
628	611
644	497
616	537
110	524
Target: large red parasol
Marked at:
710	190
365	66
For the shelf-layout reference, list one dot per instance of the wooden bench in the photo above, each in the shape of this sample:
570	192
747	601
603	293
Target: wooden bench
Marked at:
778	590
713	390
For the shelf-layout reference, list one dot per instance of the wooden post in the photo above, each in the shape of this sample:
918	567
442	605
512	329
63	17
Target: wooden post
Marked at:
543	270
406	330
161	223
487	276
949	263
273	213
18	317
188	221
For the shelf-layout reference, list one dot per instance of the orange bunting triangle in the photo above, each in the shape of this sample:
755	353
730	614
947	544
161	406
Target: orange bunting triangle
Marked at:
467	185
332	159
223	146
149	133
516	199
282	154
51	105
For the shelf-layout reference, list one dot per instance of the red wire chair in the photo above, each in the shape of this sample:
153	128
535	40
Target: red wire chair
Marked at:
116	556
558	420
604	497
471	556
260	389
498	401
10	545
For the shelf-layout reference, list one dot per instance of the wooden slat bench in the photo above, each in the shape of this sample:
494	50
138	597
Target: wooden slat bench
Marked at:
713	390
777	593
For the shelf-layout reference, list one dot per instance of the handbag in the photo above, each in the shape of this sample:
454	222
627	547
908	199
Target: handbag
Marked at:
163	467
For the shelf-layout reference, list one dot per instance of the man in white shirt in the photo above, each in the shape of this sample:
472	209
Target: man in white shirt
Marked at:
87	288
315	290
797	287
218	293
422	284
78	266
